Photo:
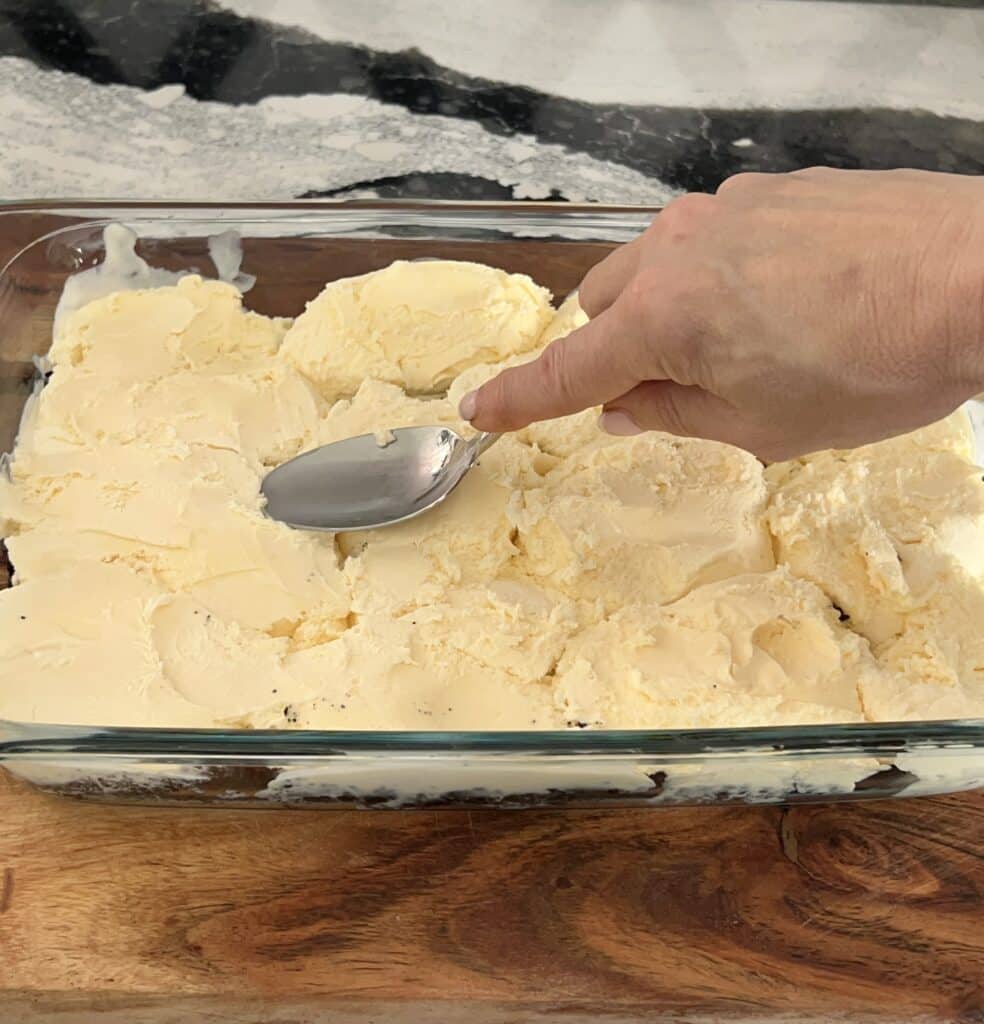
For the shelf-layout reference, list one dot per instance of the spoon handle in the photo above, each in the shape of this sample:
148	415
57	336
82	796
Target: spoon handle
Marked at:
483	442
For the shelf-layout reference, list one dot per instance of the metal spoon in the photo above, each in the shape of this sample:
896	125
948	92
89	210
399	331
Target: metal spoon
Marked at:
361	484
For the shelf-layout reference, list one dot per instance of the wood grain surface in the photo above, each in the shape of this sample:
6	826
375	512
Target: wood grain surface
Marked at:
813	913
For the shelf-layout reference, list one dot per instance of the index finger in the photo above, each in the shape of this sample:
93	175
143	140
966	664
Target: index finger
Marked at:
588	367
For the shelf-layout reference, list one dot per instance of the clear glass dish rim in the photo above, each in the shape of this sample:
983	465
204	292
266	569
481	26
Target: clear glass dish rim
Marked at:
42	204
39	739
844	739
254	209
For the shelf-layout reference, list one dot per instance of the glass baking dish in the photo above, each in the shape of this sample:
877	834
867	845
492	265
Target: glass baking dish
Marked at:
293	249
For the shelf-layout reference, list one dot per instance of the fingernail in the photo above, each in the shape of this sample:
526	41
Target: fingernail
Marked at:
468	405
619	423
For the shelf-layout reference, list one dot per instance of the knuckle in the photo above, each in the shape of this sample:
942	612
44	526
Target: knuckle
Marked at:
685	214
694	203
639	291
743	182
813	173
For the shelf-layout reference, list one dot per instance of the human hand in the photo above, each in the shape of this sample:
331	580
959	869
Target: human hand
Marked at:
787	313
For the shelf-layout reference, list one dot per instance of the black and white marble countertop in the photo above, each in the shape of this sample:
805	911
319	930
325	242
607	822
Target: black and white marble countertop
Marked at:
617	101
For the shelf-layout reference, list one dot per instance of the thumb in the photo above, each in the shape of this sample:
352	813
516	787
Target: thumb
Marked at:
691	412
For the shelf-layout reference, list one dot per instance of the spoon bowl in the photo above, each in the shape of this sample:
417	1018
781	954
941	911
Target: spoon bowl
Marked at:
366	482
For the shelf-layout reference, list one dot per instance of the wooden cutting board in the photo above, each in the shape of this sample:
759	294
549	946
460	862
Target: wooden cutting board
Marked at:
850	912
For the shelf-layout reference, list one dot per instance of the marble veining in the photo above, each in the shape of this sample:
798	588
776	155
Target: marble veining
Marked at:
563	99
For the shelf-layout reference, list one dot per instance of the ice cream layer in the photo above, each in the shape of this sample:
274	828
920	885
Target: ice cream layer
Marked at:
99	644
747	650
144	335
644	521
893	534
267	415
191	524
415	324
572	580
480	657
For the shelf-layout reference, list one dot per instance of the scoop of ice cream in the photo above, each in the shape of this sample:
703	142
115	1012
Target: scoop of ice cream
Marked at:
190	522
125	490
752	650
644	521
893	533
466	539
223	666
569	317
171	367
933	667
881	529
480	655
953	434
78	647
415	324
146	450
268	415
143	335
97	644
377	406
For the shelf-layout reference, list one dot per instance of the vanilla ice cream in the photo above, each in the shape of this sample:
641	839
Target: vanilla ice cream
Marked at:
482	654
893	534
415	324
744	651
643	521
573	580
